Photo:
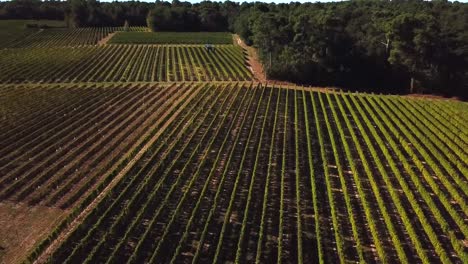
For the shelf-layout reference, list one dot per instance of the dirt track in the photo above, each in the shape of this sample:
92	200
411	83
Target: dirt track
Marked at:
106	39
256	66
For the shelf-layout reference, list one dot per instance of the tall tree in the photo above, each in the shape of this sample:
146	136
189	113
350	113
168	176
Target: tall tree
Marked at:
78	13
415	41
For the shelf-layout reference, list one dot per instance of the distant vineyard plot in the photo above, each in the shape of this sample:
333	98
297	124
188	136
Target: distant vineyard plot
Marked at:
248	173
16	30
123	63
172	38
63	37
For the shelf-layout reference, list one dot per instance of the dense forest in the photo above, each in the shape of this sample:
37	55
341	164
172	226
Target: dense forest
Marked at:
395	46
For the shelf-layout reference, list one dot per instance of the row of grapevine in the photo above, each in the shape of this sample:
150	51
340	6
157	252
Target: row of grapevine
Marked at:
161	248
20	103
436	162
406	186
153	166
61	37
143	211
61	154
172	38
249	173
454	158
123	63
175	185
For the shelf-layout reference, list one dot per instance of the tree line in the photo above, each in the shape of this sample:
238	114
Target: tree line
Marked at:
383	46
397	46
78	13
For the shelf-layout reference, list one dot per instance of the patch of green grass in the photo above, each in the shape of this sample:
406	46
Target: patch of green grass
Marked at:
171	38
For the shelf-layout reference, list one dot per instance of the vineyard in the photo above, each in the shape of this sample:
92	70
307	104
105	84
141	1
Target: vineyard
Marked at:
171	38
142	147
56	147
114	63
62	37
15	30
246	173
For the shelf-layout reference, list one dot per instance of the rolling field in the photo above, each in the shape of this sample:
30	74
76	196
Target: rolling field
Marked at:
113	63
171	38
248	173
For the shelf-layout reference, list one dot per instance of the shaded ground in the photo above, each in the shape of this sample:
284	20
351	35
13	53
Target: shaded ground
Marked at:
22	227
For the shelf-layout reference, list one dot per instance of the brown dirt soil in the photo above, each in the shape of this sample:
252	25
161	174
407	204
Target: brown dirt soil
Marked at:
75	223
22	227
252	58
257	69
106	39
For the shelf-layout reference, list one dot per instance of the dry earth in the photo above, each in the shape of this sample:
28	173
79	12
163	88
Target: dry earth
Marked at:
256	66
106	39
22	227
